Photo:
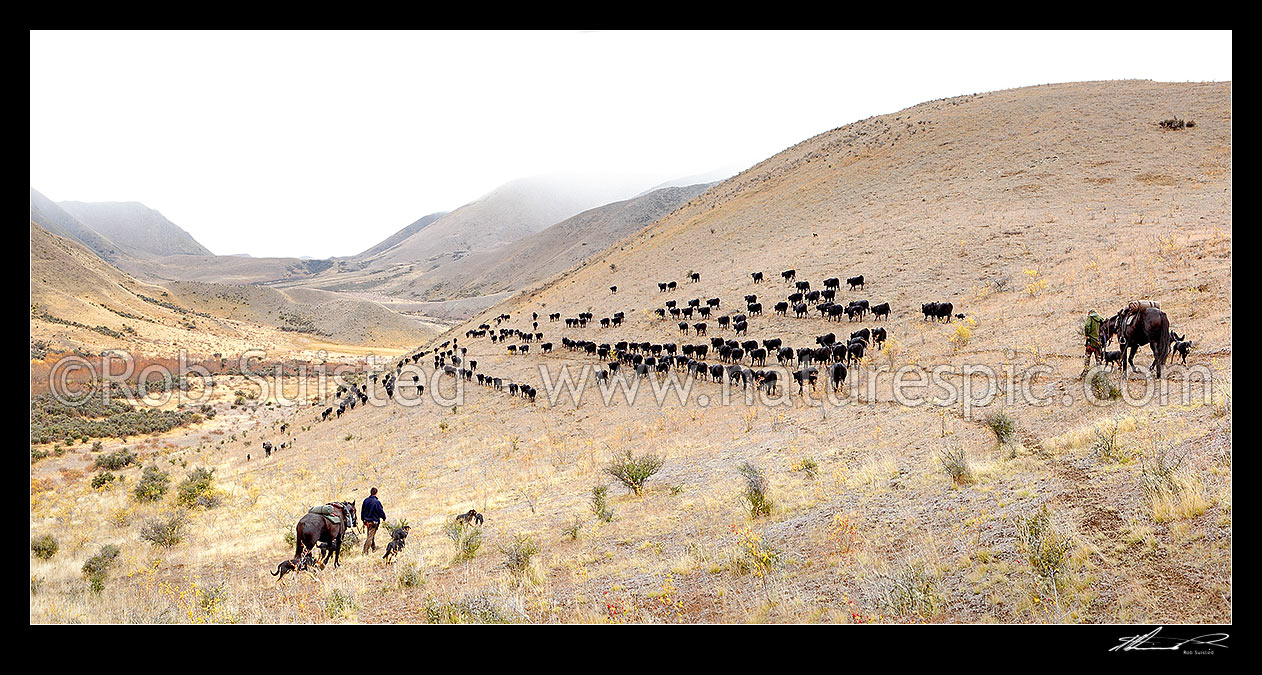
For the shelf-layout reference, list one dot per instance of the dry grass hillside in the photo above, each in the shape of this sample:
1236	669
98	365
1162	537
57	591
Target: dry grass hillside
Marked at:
221	269
157	250
136	228
330	315
517	265
508	213
939	199
81	302
398	237
1025	208
48	215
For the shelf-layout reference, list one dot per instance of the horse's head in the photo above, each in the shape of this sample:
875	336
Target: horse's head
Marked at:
348	511
1112	326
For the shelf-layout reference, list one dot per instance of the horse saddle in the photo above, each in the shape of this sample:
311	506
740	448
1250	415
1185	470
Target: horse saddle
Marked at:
328	512
1133	309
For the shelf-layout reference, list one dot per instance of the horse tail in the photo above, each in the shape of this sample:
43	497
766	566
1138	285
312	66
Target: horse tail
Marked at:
1164	341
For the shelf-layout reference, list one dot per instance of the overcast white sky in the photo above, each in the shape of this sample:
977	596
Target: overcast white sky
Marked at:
322	144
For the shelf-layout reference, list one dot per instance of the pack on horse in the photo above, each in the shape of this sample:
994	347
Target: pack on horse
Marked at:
316	527
1141	323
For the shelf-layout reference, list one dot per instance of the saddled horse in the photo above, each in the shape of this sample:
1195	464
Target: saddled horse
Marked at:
1145	326
314	528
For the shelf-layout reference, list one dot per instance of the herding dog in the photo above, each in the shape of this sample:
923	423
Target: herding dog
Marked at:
1180	345
307	563
1111	358
398	539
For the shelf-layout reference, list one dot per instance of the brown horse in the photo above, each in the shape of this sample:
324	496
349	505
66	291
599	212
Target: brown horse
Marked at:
1147	326
314	528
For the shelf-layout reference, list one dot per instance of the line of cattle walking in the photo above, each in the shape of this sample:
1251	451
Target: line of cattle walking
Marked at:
448	356
645	357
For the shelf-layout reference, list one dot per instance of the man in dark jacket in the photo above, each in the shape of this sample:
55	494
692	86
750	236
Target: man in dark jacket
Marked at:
372	513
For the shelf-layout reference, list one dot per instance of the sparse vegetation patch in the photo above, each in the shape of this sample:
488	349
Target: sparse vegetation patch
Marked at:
634	471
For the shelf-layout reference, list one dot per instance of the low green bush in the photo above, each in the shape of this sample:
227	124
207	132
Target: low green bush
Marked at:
44	546
197	490
633	471
164	531
119	459
153	485
755	490
97	567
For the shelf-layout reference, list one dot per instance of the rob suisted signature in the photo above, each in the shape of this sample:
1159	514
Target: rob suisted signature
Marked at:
1153	642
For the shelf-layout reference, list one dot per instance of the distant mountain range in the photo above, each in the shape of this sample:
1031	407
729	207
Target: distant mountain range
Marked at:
48	215
467	274
511	212
135	228
79	300
398	237
518	234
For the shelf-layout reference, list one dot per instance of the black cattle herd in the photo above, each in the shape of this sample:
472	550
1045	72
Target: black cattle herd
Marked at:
830	351
729	354
642	358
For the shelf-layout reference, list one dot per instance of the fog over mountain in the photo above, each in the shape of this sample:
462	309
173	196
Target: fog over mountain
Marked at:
712	176
419	271
136	228
323	144
54	219
506	214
